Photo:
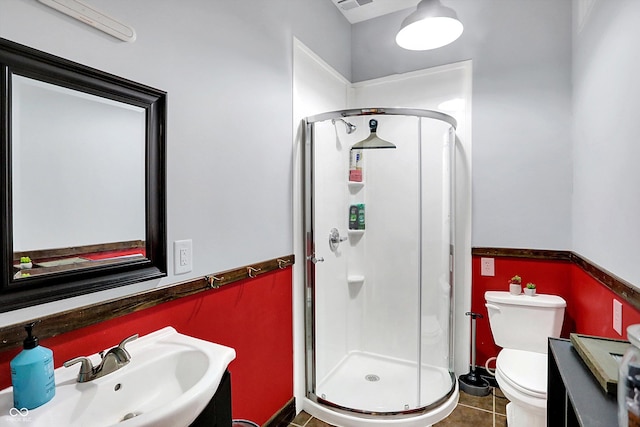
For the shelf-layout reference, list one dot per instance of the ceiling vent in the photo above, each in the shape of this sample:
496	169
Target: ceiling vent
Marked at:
352	4
354	11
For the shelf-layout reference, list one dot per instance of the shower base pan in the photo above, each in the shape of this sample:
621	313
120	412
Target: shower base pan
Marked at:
371	383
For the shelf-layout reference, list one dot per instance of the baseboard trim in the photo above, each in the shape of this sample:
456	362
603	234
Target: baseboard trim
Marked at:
284	416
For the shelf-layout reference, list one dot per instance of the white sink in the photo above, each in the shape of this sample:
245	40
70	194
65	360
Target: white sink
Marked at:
169	381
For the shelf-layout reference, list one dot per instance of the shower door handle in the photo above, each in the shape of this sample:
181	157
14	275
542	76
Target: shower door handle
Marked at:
315	260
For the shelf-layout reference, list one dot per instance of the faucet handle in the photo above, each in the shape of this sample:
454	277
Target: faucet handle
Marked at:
86	367
127	340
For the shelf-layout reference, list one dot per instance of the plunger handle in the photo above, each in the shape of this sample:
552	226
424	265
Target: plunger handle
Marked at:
474	316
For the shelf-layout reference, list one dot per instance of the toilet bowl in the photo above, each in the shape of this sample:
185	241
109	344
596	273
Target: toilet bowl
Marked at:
521	325
522	377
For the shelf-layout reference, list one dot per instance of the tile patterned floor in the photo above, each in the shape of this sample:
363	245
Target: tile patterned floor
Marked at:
487	411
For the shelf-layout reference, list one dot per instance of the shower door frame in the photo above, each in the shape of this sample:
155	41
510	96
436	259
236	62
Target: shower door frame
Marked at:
310	254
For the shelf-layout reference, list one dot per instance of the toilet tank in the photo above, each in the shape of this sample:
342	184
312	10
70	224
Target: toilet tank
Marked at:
524	322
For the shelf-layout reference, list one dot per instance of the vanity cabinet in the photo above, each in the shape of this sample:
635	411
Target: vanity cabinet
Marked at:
574	397
217	413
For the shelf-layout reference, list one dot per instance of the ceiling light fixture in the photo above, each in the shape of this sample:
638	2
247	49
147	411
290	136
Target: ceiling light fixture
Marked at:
431	26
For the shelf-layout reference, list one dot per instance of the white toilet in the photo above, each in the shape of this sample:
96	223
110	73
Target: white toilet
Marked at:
521	324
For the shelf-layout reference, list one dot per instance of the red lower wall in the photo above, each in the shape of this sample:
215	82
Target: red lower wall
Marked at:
252	316
589	303
255	317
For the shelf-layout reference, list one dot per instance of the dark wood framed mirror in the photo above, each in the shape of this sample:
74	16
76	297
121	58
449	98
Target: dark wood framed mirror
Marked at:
83	204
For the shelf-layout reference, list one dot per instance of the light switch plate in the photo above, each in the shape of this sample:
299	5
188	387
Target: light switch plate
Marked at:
182	256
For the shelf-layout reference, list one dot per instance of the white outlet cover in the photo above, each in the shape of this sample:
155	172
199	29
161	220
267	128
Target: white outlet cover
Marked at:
182	250
487	267
617	316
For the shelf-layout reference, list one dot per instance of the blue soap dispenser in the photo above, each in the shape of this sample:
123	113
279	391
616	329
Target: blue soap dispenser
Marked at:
32	374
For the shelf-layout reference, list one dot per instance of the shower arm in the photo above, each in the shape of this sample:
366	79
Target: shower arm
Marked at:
350	127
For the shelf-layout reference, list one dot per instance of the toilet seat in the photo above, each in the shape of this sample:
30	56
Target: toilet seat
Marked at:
523	371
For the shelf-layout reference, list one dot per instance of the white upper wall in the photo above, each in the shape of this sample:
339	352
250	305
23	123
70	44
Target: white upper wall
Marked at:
227	68
606	202
522	164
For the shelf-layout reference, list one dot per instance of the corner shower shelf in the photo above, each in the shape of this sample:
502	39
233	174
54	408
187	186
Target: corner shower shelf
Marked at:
356	232
356	185
355	279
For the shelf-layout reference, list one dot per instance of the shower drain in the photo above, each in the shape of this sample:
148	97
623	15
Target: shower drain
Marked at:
372	377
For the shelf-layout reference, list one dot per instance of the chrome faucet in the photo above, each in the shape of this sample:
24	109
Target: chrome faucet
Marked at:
112	360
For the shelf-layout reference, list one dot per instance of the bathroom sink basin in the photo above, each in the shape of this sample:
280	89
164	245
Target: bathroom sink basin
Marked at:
171	378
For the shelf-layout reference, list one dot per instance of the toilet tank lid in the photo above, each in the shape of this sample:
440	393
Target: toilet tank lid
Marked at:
538	300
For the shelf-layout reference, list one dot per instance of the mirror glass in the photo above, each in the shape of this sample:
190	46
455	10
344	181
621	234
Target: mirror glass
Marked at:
78	178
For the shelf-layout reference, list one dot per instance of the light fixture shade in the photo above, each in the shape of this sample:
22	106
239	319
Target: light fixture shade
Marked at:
431	26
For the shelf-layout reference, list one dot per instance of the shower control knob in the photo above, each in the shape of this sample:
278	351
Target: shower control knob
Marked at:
335	239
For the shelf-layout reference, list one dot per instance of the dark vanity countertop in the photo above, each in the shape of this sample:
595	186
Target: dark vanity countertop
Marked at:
593	407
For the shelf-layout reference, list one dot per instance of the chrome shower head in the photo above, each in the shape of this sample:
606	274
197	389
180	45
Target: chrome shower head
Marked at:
350	126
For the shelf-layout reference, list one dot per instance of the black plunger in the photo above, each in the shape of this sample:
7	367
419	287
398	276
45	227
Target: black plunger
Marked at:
472	383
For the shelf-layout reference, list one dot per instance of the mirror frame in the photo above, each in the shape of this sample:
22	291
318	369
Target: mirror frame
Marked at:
35	64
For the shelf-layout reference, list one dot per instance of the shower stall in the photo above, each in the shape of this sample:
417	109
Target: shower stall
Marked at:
379	266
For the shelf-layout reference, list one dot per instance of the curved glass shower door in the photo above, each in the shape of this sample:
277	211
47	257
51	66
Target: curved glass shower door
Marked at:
379	264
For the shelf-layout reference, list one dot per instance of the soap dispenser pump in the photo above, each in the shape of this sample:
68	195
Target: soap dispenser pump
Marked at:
32	374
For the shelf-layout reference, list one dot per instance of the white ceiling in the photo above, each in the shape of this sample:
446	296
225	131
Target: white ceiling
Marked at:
361	10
